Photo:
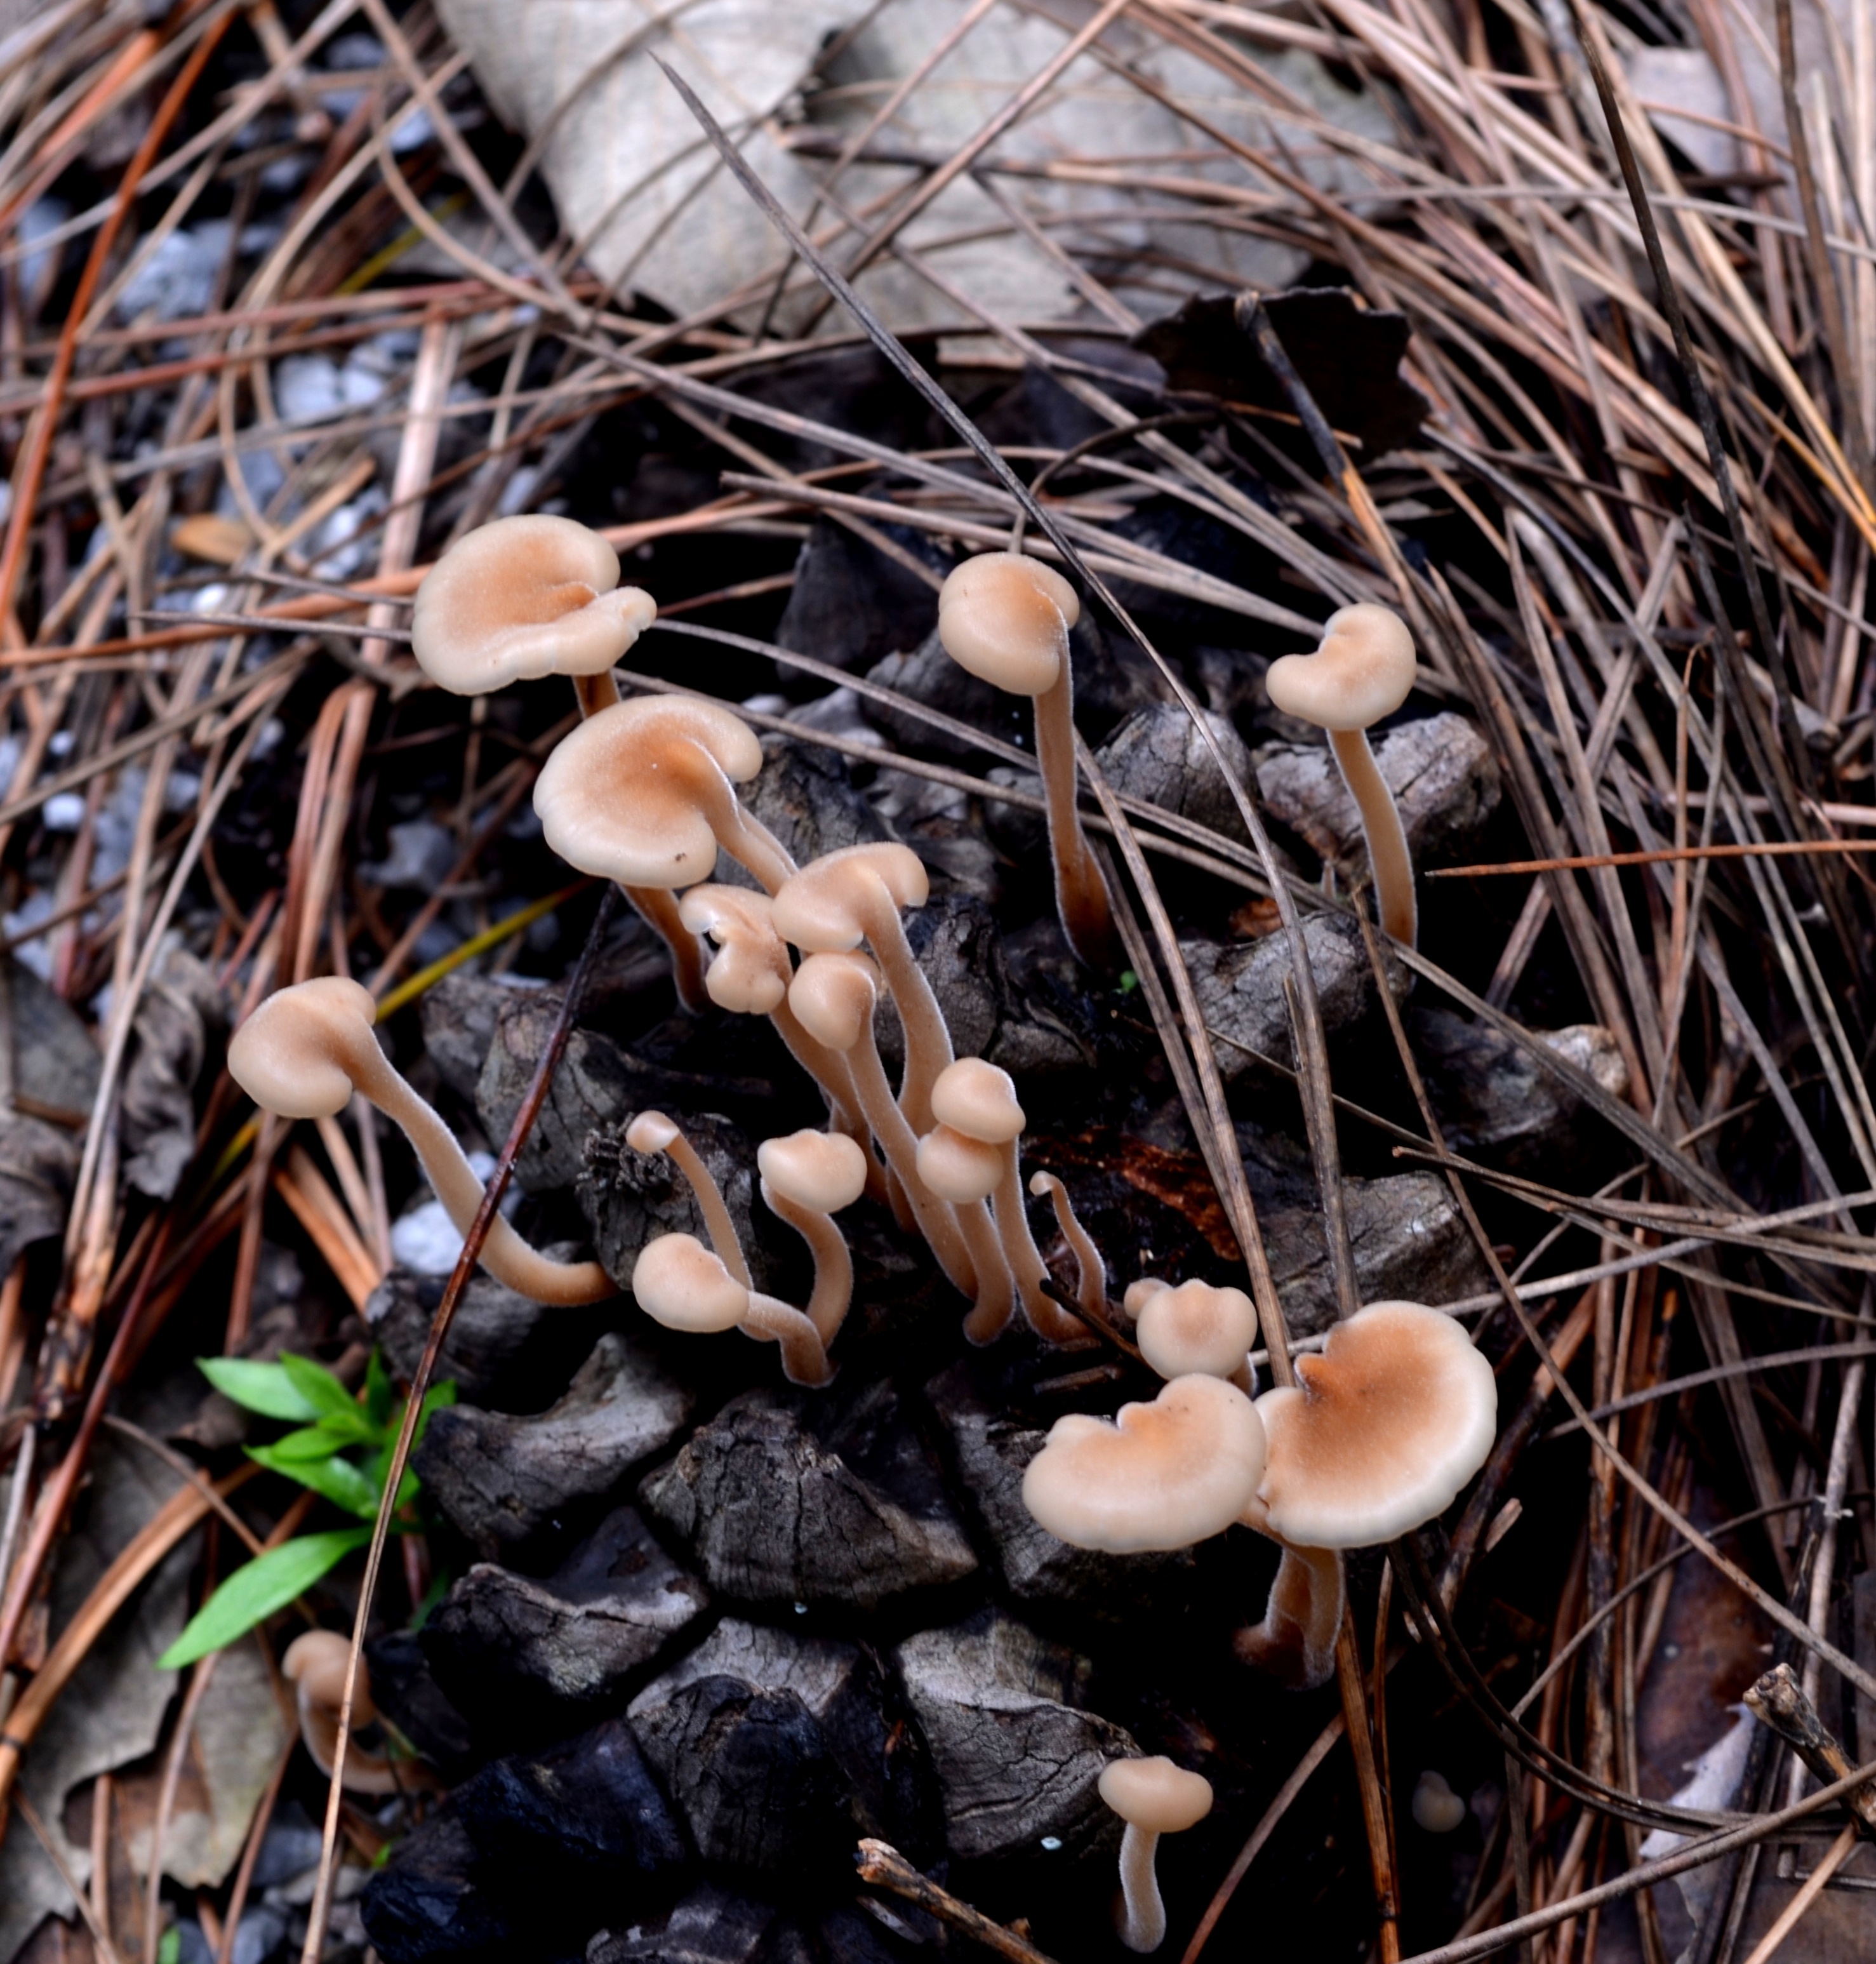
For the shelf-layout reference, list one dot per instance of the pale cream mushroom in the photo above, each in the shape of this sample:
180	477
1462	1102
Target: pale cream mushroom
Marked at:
1363	671
315	1666
1154	1797
1198	1327
644	793
1376	1438
807	1178
979	1100
842	898
1091	1270
303	1053
653	1132
965	1172
1005	618
1436	1808
679	1282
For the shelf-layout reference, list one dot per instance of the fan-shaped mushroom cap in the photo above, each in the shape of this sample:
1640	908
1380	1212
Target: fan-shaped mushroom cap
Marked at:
979	1100
291	1056
1005	617
1196	1328
628	795
680	1283
1163	1475
834	996
824	1170
749	974
826	906
521	597
1156	1795
1380	1432
1364	670
958	1168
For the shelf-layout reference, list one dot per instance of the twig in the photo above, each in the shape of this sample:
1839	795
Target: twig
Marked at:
881	1864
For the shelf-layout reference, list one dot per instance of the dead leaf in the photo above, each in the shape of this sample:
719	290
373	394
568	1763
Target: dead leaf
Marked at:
180	1007
38	1163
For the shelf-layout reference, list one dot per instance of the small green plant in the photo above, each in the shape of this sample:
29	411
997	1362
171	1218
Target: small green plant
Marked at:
341	1447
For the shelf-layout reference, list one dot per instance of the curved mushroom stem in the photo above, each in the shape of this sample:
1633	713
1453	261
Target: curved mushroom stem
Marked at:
927	1036
996	1287
1142	1923
1048	1319
832	1072
1081	893
504	1254
747	840
1296	1642
1381	827
661	1134
315	1665
833	1261
803	1355
1091	1280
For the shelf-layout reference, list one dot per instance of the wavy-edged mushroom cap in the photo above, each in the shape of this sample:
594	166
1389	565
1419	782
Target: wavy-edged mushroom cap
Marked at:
1163	1475
749	975
824	1170
521	597
1140	1292
825	908
833	997
1196	1328
625	797
289	1056
1155	1794
978	1099
958	1168
1380	1431
1364	670
1005	617
680	1283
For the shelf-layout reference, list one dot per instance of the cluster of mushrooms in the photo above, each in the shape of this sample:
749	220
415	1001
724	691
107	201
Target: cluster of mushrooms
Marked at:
1384	1426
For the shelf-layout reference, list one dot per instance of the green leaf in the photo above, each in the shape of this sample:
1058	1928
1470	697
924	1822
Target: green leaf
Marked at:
312	1442
169	1949
252	1593
331	1402
377	1392
434	1400
265	1388
339	1481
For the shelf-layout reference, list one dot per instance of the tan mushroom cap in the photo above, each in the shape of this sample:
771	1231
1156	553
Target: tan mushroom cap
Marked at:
1364	670
651	1132
833	997
289	1056
824	909
1004	617
1155	1794
680	1283
315	1663
749	973
824	1170
627	796
521	597
978	1099
1381	1430
958	1168
1195	1327
1163	1475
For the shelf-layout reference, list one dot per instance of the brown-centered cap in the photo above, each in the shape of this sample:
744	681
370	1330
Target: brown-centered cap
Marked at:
979	1100
750	972
833	997
1364	670
825	908
523	597
290	1057
826	1171
1380	1432
1155	1794
1163	1475
1005	618
627	796
1196	1328
678	1283
958	1168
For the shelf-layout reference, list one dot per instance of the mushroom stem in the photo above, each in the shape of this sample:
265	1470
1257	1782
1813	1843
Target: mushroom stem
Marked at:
833	1073
652	1132
1049	1321
1091	1280
833	1261
928	1036
1142	1922
803	1354
996	1288
1081	893
1388	856
1296	1642
315	1665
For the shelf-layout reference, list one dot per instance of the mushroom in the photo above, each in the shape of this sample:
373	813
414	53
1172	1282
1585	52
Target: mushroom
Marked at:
644	793
652	1132
979	1100
315	1666
1376	1438
834	996
680	1283
1162	1475
843	898
1154	1797
1436	1808
303	1053
1005	618
965	1172
1197	1328
1364	670
807	1178
525	597
1091	1272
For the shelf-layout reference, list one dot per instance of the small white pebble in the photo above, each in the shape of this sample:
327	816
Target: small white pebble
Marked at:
1436	1808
